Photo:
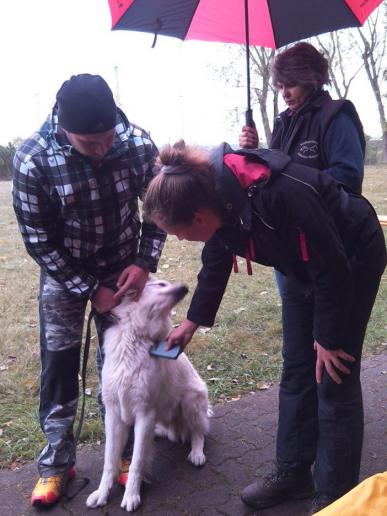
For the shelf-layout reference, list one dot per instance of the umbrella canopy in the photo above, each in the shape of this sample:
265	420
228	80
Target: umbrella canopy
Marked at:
266	23
273	23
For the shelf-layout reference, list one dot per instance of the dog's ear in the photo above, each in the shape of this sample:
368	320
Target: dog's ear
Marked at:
156	312
153	311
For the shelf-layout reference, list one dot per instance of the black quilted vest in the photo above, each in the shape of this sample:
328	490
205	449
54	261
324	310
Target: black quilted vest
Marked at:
301	135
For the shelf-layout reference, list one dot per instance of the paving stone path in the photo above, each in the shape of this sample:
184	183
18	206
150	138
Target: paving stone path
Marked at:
239	448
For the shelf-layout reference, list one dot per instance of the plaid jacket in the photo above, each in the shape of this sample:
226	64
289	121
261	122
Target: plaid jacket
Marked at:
78	223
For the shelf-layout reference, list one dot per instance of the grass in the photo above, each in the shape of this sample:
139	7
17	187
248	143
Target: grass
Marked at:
241	353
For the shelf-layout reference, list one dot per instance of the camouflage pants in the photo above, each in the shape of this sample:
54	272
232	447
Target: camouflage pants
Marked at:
62	317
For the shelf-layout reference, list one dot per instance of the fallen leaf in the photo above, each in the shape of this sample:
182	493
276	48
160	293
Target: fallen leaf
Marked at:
262	386
210	367
88	391
213	379
239	310
263	292
29	383
204	330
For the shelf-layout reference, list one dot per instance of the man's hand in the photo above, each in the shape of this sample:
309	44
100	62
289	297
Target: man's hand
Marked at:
133	279
182	334
248	139
103	300
330	360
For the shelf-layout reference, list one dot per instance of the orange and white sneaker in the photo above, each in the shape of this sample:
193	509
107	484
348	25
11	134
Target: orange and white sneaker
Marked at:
124	470
48	490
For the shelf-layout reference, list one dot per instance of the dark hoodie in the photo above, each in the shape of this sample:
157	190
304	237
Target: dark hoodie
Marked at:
299	220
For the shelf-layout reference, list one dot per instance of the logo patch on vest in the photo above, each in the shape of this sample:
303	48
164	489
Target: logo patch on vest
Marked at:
309	149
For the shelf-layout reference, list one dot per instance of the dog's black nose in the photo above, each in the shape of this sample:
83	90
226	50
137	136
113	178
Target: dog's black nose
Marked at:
184	290
180	292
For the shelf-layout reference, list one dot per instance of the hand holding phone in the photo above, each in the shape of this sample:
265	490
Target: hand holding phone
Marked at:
160	350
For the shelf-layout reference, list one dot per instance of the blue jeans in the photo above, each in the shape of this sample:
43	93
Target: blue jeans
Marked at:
321	424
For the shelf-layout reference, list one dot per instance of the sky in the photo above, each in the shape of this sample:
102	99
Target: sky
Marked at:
171	90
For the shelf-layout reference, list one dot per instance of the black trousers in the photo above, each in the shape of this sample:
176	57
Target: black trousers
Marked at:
322	424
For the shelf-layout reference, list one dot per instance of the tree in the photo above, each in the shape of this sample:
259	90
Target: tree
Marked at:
6	158
338	49
262	92
371	43
261	58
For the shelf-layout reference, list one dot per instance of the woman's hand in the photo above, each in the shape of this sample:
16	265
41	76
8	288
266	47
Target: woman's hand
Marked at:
133	279
248	139
330	360
182	334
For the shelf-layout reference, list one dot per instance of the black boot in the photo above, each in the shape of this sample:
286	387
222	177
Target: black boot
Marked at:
319	503
280	485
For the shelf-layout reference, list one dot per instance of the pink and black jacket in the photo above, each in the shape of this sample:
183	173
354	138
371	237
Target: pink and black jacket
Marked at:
296	219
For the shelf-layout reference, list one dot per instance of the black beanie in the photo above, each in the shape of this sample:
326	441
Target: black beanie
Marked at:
86	105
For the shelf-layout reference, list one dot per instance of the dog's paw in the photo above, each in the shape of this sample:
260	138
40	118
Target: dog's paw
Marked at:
197	459
96	499
130	502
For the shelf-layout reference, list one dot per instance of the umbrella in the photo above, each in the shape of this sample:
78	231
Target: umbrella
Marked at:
266	23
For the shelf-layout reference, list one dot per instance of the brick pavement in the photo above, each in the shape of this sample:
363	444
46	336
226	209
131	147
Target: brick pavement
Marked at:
240	446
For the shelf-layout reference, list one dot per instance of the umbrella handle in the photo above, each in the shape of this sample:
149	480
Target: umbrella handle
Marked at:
249	118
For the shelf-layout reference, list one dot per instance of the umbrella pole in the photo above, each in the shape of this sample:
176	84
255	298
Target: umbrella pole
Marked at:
249	112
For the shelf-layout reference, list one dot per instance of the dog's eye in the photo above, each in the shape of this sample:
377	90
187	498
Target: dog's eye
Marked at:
162	284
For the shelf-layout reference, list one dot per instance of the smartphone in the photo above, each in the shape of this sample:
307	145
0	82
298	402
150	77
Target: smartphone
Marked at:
160	350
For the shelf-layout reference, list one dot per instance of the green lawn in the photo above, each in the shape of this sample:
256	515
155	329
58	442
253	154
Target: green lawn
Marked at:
241	353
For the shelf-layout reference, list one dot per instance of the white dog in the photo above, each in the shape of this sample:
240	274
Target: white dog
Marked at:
146	391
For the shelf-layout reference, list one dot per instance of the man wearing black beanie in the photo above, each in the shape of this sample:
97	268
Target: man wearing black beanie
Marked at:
76	186
86	105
